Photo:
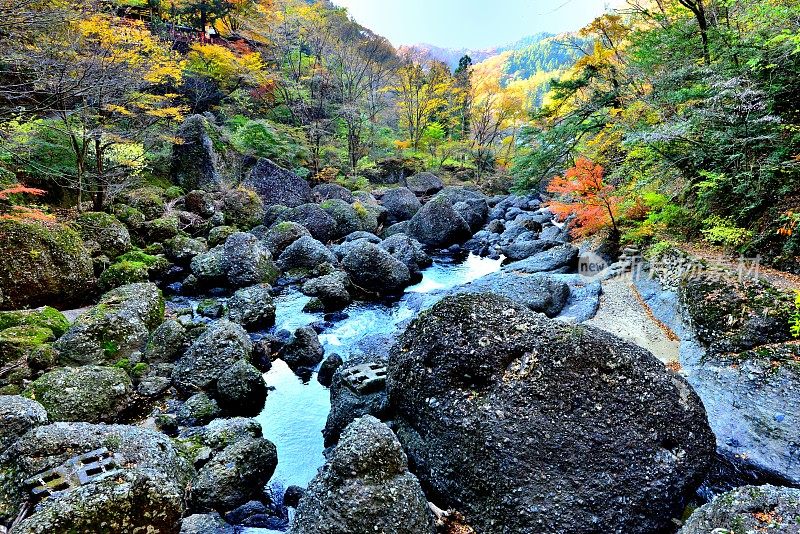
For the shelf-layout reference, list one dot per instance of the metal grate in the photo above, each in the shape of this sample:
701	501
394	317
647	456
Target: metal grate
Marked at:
366	378
74	473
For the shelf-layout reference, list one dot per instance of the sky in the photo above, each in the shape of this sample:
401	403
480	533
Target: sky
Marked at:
471	24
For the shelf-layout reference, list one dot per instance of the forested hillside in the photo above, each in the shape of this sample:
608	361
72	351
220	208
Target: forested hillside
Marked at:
262	271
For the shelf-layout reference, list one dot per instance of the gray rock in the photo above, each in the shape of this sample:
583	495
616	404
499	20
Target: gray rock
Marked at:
456	194
555	233
304	350
117	327
399	228
220	433
198	410
281	235
219	234
523	247
218	348
206	524
90	393
474	211
365	487
539	292
409	252
151	463
748	509
374	269
208	266
401	204
563	258
17	416
242	208
357	236
348	403
236	475
276	185
438	224
529	423
423	184
104	229
181	249
246	261
322	226
305	253
323	192
252	307
241	390
167	343
346	217
194	160
328	368
331	290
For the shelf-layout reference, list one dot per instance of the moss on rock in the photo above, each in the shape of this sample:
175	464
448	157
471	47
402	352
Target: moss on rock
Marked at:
46	317
43	263
106	230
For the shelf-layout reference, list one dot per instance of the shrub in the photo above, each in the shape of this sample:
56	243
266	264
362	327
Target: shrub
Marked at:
724	232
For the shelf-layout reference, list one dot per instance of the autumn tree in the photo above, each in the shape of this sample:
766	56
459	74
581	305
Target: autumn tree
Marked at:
92	81
582	192
420	94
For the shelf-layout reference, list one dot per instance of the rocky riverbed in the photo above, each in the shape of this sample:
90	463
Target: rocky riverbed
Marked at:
321	360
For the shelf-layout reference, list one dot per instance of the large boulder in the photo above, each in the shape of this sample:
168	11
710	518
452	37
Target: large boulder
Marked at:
111	236
43	263
252	307
236	475
351	399
142	492
242	208
346	217
331	290
166	343
734	314
748	509
305	253
91	393
525	246
365	487
304	349
279	236
743	365
324	192
17	416
437	224
401	204
115	328
194	159
206	524
241	389
223	344
374	269
423	184
408	251
562	258
315	219
538	292
539	426
278	186
246	261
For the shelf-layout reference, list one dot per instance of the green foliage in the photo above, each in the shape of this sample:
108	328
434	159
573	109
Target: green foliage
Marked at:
266	139
719	231
794	319
353	183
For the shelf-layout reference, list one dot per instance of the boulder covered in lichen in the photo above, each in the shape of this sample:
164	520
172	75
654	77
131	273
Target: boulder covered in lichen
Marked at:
43	263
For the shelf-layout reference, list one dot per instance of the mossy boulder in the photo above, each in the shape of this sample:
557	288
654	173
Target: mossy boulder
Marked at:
129	215
732	314
748	509
43	263
115	328
219	234
242	208
17	341
45	316
347	220
162	228
281	235
123	273
107	231
148	200
194	157
17	416
90	393
181	249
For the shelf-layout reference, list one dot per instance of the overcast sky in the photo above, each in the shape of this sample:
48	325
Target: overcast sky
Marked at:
471	23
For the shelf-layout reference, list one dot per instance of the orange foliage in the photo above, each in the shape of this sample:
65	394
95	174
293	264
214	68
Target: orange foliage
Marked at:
582	192
790	221
23	212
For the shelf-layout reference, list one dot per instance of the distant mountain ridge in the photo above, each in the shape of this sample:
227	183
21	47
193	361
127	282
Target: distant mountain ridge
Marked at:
451	56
